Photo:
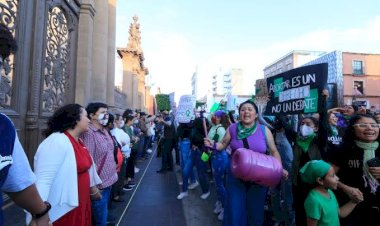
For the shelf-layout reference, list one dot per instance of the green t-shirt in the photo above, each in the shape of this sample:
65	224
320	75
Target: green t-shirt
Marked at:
322	208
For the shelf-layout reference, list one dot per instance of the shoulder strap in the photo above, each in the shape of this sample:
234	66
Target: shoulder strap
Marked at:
264	134
245	143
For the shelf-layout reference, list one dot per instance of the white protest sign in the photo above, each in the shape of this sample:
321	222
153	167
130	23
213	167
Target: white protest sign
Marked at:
185	109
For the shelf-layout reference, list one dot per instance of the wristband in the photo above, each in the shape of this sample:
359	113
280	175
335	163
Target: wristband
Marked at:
39	215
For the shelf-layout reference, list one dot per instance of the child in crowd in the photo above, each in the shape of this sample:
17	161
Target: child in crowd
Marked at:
321	205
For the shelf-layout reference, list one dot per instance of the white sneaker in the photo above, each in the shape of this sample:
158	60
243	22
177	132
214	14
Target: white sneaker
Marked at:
193	185
180	182
182	195
137	170
149	151
221	215
218	207
205	195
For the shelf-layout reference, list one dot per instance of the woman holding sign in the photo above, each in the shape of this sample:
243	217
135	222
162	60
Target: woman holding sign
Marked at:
245	200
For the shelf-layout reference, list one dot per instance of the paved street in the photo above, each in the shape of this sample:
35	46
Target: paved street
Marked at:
153	202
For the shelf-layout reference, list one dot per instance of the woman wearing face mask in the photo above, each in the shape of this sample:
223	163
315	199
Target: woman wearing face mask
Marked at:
66	175
305	148
245	200
359	171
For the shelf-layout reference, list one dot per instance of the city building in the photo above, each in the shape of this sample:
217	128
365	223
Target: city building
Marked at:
229	82
66	54
194	83
294	59
353	78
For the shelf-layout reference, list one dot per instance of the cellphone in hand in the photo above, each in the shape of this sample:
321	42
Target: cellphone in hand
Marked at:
375	162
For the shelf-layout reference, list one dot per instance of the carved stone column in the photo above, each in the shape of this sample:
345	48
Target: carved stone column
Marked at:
111	52
99	52
85	52
127	85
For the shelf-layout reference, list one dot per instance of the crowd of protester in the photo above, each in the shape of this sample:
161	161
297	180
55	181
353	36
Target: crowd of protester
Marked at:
330	163
330	159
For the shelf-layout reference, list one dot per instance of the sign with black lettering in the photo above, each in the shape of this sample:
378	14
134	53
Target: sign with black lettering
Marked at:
296	91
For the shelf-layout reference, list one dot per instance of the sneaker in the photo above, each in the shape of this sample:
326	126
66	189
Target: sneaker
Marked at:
193	185
221	215
149	151
218	207
182	195
131	184
137	170
205	195
180	183
127	188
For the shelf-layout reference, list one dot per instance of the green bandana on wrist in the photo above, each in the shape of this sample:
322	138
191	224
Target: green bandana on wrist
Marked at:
304	142
243	132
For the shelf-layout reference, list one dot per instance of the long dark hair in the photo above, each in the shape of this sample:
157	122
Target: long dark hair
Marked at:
225	120
249	102
64	118
349	136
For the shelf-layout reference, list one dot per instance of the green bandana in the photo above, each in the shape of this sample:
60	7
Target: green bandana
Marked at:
243	132
369	153
314	169
333	130
304	142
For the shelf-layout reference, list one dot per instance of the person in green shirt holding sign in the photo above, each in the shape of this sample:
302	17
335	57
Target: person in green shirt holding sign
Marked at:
321	206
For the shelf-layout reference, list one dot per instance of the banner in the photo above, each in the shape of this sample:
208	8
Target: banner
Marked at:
296	91
185	109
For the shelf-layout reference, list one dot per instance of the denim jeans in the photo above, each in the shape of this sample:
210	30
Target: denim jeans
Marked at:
284	212
99	208
245	202
201	170
220	162
187	166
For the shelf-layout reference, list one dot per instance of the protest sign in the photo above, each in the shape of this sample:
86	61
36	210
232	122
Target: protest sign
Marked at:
185	109
296	91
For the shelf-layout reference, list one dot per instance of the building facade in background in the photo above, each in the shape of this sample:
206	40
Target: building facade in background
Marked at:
134	71
228	82
353	78
294	59
66	54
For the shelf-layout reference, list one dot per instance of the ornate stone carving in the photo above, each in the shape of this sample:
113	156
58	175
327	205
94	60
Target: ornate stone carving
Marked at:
56	76
134	40
8	13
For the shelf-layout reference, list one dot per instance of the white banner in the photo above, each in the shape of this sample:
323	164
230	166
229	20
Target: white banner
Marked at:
185	109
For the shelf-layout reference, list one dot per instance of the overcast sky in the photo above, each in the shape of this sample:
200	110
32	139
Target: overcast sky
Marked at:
180	35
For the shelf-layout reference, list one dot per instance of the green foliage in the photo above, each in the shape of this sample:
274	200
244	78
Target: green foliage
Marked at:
163	102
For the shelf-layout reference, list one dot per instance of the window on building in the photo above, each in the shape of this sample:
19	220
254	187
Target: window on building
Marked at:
357	67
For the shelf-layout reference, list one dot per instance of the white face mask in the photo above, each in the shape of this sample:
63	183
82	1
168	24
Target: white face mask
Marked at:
121	124
102	120
306	130
136	121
